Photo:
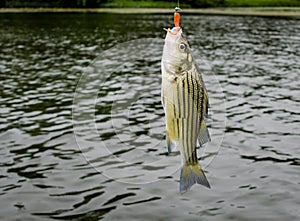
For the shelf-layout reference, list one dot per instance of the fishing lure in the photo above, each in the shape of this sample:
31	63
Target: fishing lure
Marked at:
176	22
177	17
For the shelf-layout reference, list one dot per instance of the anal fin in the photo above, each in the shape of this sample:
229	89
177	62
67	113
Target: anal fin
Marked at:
203	136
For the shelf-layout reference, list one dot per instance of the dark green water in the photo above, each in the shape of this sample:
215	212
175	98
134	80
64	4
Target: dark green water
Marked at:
82	128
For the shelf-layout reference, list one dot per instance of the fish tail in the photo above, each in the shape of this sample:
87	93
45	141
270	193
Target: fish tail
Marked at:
191	174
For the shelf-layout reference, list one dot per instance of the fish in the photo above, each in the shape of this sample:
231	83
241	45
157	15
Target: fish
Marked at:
185	102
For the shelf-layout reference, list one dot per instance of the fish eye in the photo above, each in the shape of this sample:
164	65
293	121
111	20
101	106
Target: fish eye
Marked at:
182	46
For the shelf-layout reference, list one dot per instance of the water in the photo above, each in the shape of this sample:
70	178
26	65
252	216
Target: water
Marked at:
81	142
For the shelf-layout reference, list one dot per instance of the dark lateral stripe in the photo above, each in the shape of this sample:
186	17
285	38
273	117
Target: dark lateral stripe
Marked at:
192	114
185	118
190	118
194	122
201	109
178	110
174	108
182	111
191	133
199	103
179	101
201	98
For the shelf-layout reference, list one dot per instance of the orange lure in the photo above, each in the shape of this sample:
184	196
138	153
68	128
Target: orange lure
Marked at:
176	22
177	17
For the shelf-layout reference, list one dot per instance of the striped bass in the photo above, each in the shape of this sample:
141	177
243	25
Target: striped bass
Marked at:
185	102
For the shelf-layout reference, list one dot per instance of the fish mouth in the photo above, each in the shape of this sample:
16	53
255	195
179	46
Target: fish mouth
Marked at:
173	32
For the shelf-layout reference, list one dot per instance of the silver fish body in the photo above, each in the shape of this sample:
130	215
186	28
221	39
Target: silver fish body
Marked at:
185	103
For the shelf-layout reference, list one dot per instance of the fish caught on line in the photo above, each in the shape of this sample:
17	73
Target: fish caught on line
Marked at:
185	102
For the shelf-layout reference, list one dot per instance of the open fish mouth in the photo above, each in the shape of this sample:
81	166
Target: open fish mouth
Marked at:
172	31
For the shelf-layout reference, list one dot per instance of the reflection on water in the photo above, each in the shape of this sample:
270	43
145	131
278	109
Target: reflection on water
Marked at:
53	165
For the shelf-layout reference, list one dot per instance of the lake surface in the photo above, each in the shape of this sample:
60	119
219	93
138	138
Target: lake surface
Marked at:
82	126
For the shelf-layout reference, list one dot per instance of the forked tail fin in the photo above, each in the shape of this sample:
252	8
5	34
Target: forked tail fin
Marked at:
191	174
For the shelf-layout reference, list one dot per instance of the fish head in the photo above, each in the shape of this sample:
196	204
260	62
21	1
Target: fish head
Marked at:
177	56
